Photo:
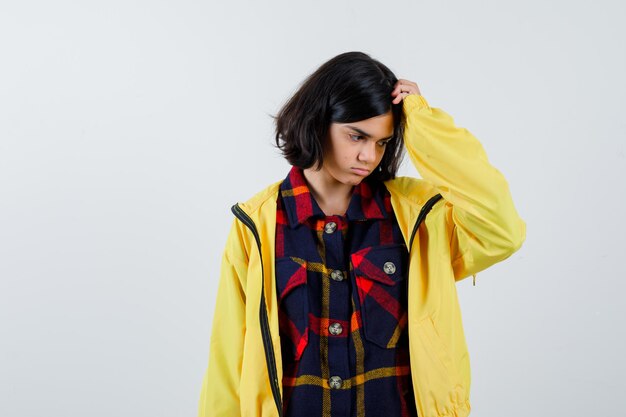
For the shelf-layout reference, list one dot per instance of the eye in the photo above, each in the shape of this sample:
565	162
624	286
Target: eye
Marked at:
384	143
355	136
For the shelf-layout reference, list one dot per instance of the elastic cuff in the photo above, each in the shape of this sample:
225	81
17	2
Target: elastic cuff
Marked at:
414	101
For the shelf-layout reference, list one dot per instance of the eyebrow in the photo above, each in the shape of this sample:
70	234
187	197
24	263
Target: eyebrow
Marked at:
367	135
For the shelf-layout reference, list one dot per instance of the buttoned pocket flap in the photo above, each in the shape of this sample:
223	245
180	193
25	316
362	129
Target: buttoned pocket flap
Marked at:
380	276
385	264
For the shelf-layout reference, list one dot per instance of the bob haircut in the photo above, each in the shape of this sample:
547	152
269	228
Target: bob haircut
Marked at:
350	87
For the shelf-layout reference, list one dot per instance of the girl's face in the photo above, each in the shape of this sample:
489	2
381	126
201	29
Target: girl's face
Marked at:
353	150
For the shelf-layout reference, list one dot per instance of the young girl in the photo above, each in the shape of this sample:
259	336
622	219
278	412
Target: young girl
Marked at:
337	291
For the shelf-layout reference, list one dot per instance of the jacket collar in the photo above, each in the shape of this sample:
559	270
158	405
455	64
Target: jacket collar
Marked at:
367	201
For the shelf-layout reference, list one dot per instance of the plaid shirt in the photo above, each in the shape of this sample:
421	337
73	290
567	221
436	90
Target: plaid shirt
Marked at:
342	293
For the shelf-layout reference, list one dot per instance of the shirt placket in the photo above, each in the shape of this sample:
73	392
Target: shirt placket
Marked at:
336	313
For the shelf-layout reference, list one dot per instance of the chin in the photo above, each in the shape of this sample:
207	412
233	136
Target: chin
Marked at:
348	178
354	180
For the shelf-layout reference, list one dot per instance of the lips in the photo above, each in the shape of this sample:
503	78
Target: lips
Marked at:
361	171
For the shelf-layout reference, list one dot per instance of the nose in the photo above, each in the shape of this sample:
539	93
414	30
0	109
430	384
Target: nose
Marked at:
368	153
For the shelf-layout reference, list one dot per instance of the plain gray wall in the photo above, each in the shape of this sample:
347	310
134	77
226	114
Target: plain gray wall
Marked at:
129	128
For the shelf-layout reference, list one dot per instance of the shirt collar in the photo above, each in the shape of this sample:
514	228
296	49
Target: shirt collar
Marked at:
367	201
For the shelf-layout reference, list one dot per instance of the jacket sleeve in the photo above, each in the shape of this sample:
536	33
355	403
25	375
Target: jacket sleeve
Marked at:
220	387
485	226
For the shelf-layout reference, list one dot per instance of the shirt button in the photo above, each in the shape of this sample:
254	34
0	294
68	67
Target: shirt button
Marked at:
389	268
337	275
334	382
330	227
335	329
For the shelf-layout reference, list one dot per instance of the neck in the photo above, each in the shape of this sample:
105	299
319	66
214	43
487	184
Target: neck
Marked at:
327	191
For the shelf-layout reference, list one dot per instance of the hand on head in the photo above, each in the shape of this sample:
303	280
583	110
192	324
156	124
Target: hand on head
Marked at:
402	89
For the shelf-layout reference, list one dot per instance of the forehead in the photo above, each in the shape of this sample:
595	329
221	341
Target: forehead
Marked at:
377	126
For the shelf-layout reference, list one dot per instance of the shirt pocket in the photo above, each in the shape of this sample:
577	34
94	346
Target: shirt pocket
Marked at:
380	274
293	301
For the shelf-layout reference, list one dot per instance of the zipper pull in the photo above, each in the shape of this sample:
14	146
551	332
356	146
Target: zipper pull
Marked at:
474	275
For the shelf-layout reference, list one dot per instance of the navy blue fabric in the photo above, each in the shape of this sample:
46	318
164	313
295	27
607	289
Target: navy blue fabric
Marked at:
370	354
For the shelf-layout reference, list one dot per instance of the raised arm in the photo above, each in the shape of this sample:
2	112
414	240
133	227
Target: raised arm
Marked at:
486	227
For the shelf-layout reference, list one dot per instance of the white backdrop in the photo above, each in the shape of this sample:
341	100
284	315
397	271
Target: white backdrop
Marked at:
129	128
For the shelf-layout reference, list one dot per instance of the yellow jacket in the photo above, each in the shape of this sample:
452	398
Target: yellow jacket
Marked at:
458	220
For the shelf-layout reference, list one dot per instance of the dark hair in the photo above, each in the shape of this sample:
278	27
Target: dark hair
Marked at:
350	87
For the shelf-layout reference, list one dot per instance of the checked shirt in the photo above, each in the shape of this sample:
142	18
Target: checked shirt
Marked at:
342	294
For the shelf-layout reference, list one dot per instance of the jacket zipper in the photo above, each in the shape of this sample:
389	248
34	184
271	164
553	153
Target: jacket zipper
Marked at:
420	218
265	328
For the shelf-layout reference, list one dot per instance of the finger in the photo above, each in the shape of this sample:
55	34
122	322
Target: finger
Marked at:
397	89
400	97
406	82
400	88
408	89
405	85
